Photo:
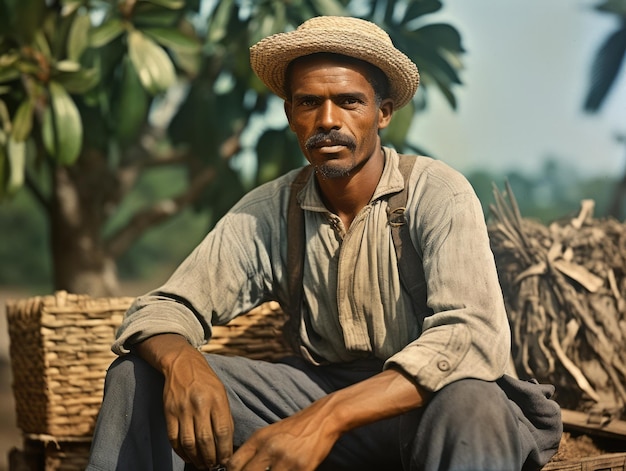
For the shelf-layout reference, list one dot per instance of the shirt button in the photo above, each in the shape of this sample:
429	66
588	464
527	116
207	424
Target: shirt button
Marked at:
443	365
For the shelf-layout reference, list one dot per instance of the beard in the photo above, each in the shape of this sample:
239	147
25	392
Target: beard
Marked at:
328	171
334	137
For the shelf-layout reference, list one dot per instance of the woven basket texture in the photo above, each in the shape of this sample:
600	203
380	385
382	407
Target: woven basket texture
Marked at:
61	347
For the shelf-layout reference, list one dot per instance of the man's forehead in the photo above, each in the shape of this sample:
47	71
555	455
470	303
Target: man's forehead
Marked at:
334	82
337	75
327	68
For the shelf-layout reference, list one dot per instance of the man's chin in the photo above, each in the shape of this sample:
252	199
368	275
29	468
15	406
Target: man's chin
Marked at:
330	171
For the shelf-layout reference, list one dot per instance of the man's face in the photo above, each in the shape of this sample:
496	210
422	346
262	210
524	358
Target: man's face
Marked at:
334	113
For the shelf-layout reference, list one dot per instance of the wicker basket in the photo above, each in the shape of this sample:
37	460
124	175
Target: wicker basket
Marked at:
61	347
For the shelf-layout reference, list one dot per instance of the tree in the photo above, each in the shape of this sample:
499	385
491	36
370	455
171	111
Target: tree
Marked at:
604	72
80	81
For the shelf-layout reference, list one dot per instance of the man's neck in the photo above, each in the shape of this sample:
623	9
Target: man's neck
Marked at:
346	196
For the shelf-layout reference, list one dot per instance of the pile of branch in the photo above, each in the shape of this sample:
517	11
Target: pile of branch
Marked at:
565	287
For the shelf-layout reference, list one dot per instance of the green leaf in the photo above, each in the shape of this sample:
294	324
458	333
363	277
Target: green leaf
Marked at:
7	74
187	61
25	17
418	8
329	7
106	32
9	58
153	65
171	4
23	121
78	37
443	36
67	66
62	128
617	7
16	154
41	43
78	82
70	6
398	129
5	120
3	168
277	152
5	25
173	38
218	24
130	107
150	15
605	68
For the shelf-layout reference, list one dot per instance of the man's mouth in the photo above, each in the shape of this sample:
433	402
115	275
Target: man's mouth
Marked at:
331	142
328	147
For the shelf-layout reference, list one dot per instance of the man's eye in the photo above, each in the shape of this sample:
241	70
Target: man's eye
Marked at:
350	101
308	102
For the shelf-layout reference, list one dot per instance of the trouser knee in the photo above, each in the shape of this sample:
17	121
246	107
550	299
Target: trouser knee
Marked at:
467	425
126	370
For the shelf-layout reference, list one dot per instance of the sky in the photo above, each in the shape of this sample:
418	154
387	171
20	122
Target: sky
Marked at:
526	74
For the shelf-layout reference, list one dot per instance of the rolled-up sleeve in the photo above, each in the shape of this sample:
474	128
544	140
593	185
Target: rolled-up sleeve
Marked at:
228	273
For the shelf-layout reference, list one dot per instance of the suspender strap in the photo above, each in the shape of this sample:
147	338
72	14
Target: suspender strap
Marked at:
409	260
295	259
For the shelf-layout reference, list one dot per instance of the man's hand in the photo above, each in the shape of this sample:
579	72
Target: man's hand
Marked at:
297	443
301	442
197	413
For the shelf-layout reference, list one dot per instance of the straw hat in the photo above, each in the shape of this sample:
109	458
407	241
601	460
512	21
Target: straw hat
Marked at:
336	34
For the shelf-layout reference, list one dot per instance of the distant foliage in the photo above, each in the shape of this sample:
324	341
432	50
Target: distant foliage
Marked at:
95	93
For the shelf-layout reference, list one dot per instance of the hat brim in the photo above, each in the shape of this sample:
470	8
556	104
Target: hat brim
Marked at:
270	57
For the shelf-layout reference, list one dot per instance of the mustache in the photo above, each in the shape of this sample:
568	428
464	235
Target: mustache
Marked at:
332	137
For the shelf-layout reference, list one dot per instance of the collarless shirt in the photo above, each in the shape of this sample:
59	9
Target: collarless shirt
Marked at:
354	305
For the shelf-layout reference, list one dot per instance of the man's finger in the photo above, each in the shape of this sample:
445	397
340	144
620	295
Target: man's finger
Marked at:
223	431
205	445
172	435
241	458
188	445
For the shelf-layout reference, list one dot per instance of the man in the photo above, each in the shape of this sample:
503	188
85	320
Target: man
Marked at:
385	380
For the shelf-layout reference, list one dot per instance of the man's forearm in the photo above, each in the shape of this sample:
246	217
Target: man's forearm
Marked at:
385	395
303	440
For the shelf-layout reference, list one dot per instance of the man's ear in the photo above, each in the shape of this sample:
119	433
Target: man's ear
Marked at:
385	112
287	107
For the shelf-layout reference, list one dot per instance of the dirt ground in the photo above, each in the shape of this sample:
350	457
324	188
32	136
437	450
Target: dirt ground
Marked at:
573	446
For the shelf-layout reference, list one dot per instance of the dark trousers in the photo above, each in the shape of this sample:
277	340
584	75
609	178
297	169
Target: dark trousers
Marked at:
468	425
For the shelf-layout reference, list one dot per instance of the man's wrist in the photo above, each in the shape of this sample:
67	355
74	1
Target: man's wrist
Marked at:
162	350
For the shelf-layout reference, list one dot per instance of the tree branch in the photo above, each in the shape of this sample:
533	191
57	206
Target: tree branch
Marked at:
37	193
140	157
119	242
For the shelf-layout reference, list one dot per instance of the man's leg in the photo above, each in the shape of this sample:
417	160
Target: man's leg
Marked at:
262	393
131	432
472	425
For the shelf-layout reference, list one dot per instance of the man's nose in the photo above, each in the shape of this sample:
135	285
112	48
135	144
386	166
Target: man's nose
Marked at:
329	116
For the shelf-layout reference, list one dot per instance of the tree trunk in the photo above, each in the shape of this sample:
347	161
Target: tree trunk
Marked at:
77	217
